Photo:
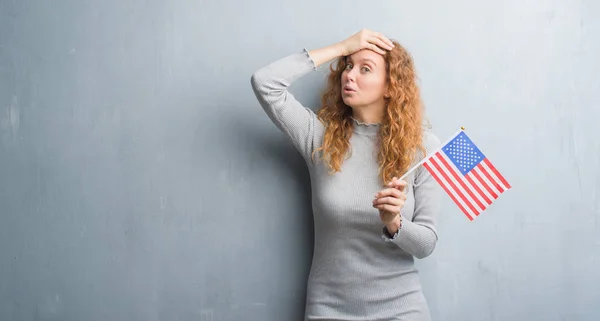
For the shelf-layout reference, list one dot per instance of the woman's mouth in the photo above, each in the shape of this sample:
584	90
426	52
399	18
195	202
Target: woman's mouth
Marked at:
348	90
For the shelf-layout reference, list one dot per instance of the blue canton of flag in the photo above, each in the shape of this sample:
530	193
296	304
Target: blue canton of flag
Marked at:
463	153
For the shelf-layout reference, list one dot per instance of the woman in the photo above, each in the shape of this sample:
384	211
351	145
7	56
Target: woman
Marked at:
367	133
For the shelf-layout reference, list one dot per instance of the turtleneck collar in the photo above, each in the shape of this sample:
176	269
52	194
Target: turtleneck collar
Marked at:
369	129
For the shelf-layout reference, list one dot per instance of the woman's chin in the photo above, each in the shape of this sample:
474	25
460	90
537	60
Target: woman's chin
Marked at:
349	101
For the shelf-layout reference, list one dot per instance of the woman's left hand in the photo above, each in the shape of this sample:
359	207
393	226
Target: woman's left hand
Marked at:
390	201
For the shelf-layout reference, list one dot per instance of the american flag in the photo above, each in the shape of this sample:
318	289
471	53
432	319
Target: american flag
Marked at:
467	176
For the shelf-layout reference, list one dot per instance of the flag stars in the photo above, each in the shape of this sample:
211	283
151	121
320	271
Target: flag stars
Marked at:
463	153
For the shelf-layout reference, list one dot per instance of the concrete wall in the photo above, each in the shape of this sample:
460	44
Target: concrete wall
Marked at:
140	179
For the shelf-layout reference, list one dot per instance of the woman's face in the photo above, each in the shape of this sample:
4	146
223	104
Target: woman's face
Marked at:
364	79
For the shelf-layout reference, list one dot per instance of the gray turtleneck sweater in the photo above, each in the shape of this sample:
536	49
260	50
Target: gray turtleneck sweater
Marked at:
358	272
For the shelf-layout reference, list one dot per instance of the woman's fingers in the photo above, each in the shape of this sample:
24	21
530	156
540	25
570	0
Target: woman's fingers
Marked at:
389	44
381	42
388	208
365	39
375	48
397	183
389	200
392	191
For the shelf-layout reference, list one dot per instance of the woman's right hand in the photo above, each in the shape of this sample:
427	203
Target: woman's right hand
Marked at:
366	39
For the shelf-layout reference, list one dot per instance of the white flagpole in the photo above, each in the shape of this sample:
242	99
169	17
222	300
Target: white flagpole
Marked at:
433	152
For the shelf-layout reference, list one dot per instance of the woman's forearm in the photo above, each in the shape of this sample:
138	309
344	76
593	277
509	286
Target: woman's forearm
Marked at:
325	54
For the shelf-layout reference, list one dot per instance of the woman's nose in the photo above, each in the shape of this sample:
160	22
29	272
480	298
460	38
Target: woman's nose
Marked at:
350	75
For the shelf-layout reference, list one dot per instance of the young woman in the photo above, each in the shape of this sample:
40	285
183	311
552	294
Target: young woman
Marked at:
369	225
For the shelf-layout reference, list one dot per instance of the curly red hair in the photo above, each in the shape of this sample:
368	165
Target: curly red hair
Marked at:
400	135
